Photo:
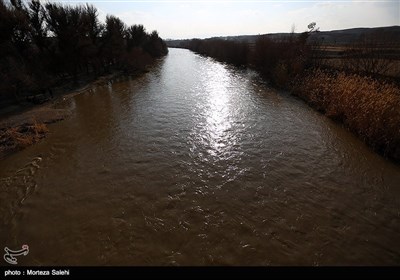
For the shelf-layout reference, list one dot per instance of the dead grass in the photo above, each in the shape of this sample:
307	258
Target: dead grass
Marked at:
22	136
366	106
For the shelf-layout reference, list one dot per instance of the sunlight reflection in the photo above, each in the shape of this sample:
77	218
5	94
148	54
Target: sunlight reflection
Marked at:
218	109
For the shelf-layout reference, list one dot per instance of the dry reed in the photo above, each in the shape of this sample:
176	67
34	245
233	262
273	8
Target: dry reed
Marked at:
368	107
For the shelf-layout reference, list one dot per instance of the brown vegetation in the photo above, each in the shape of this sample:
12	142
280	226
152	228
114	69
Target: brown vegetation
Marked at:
368	107
19	137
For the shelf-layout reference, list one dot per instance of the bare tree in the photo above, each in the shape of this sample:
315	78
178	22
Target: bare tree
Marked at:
369	55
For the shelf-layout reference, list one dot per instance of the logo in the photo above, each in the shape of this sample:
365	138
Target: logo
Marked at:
10	255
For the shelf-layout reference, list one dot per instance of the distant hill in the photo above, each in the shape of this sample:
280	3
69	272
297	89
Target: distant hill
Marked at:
334	37
348	36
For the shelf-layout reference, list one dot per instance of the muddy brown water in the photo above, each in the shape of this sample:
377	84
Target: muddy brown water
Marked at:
198	163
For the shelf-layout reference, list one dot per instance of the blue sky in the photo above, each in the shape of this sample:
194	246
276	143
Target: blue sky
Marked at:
202	19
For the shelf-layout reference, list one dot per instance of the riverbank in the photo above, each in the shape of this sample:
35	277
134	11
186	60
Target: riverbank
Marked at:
27	124
368	107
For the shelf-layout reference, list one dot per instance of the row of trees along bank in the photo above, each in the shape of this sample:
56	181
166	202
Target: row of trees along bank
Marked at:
276	60
46	44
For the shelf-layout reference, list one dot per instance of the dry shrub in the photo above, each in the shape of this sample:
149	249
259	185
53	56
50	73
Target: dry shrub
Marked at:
366	106
39	128
22	136
280	60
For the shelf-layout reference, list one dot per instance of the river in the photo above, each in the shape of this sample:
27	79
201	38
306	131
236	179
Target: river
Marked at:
198	163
